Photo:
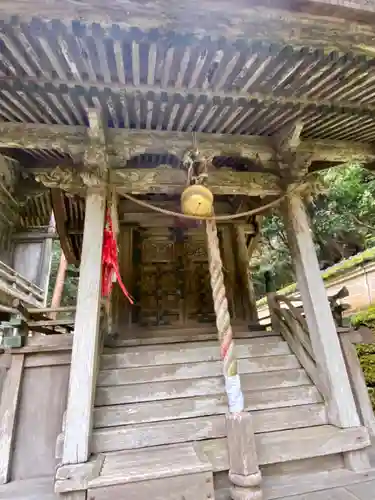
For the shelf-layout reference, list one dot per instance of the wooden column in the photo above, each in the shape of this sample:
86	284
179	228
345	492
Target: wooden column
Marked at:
242	255
86	335
230	270
324	339
59	284
85	349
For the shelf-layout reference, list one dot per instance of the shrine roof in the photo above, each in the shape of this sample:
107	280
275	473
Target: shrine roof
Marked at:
236	73
219	68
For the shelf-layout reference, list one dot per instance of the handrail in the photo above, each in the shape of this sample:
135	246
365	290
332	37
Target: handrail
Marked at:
293	327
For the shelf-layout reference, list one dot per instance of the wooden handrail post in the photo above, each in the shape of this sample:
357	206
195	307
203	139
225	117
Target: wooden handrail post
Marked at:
270	293
244	471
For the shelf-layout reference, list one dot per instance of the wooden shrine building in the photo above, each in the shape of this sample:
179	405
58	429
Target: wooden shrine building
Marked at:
158	113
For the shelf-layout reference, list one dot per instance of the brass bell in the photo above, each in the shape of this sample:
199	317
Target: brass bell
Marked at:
197	200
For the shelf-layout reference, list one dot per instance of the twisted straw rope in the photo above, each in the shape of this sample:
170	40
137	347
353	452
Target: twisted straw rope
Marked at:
223	324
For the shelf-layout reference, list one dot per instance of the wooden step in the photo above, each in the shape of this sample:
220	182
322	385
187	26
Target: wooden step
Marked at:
201	428
163	473
189	352
286	487
175	389
153	411
291	444
194	334
183	371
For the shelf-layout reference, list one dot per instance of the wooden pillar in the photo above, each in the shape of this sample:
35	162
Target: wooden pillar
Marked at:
86	335
249	300
324	339
59	284
230	271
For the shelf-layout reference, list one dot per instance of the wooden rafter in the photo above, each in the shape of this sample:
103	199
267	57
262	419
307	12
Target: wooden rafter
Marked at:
125	143
62	87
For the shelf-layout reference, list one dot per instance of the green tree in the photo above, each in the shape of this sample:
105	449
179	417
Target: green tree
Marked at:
342	218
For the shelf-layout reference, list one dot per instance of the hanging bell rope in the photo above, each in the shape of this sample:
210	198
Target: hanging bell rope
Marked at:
218	218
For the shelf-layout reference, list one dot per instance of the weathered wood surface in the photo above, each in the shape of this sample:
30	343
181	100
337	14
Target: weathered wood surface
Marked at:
132	357
124	143
322	329
201	428
196	486
301	25
175	409
296	444
325	485
162	373
358	384
157	391
41	408
30	489
9	407
86	338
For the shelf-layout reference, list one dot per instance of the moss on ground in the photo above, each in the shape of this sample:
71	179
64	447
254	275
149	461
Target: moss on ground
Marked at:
366	352
332	272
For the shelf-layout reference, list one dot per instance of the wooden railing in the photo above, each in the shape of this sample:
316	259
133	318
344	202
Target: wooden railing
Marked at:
14	286
291	323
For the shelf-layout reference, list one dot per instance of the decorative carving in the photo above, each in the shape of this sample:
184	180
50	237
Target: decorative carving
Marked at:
61	177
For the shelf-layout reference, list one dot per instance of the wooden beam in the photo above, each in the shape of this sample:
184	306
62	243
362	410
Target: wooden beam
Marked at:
162	179
124	143
247	20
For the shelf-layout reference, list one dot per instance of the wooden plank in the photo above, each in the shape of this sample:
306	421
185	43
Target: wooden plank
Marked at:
183	337
40	415
362	491
189	353
154	462
161	373
296	444
47	359
32	489
196	387
196	486
322	485
200	428
322	329
86	336
153	411
8	414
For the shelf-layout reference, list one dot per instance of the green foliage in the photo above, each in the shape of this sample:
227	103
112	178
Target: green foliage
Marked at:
366	352
342	219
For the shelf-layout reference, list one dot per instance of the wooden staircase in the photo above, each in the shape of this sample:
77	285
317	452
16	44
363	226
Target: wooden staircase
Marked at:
159	418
